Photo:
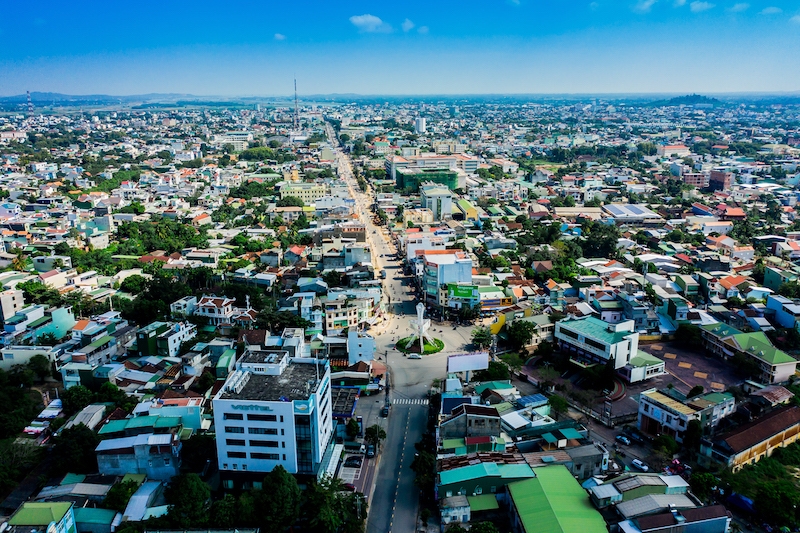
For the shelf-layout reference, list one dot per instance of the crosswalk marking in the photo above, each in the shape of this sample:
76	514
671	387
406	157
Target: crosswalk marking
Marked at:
410	401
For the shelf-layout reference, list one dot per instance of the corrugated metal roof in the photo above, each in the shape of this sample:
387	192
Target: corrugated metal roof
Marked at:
553	502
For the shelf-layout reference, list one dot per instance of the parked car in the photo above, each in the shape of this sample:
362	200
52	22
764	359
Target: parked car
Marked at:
415	356
353	461
623	439
349	487
385	411
640	465
370	450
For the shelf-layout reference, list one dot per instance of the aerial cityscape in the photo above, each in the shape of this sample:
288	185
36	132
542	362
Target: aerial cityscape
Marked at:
416	268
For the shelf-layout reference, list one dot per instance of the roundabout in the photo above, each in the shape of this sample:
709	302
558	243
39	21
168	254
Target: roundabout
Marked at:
411	345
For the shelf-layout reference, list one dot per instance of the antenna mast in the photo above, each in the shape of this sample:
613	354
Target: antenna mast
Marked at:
30	105
296	117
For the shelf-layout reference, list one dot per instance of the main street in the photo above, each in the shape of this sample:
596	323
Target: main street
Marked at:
395	500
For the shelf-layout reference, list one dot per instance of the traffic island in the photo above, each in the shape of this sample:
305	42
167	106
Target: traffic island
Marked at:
412	345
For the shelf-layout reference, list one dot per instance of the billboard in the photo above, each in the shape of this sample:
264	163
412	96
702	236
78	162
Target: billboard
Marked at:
464	362
461	291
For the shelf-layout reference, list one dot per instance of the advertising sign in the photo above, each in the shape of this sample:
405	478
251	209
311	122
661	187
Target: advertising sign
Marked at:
465	362
461	291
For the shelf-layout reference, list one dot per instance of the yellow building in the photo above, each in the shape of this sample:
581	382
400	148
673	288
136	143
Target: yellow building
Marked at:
752	442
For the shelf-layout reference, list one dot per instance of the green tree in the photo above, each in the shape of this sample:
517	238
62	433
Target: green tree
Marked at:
352	428
666	444
282	497
692	435
188	497
695	391
455	528
76	398
290	201
332	278
224	513
482	337
702	484
374	434
496	371
74	451
119	495
558	404
40	365
197	451
134	284
520	333
483	527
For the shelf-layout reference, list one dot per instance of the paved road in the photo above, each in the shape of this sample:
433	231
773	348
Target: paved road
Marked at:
395	499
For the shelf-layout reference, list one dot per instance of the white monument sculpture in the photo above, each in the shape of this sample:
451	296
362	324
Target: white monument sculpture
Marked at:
423	325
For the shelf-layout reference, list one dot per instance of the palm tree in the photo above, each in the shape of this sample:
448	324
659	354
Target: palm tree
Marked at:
20	262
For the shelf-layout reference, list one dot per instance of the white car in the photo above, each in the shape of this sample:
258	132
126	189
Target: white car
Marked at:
640	465
415	356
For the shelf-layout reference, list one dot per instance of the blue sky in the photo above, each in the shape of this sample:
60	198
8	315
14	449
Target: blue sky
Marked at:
408	47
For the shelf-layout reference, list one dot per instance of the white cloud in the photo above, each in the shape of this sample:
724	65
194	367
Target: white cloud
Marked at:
370	24
515	2
795	19
679	3
644	6
407	25
280	37
739	8
594	6
699	7
423	30
771	10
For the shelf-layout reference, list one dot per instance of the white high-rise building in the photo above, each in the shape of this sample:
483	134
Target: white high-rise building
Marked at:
420	126
273	410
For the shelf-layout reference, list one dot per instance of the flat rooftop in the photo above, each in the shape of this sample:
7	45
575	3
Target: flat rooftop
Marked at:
264	356
297	382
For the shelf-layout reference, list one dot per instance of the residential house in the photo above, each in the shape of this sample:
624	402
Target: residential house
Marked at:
155	455
661	413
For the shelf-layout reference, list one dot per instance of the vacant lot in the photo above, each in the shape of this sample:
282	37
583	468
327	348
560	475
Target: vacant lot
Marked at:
693	368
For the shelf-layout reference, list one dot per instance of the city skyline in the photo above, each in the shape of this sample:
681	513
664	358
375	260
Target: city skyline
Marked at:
512	47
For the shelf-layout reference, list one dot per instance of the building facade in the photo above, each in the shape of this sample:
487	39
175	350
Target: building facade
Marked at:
273	410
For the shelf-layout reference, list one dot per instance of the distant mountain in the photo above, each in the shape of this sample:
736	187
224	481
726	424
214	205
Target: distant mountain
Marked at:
689	99
59	97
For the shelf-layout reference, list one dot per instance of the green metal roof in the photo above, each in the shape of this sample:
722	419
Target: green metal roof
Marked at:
644	359
466	473
113	426
449	444
484	502
39	514
553	502
570	433
101	341
549	438
168	422
717	397
69	479
39	322
594	328
758	345
721	330
89	515
498	385
515	471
